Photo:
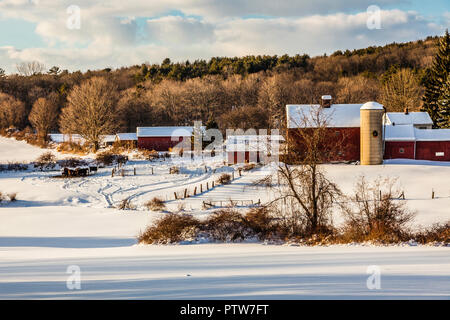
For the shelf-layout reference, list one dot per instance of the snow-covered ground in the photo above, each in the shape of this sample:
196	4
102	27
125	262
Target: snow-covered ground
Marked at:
57	223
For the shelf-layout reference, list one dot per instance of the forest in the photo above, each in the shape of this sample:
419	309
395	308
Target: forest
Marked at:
241	92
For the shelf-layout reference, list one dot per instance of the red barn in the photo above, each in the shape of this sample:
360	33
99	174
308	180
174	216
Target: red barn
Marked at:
342	120
406	141
163	138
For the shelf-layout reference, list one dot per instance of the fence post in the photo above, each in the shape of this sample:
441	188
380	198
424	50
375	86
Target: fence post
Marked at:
185	193
201	188
112	173
175	194
195	191
134	171
432	194
207	186
152	170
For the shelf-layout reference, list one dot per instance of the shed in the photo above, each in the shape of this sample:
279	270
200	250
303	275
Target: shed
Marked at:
163	138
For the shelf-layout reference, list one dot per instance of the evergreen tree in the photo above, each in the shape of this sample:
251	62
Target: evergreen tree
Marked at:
437	77
444	106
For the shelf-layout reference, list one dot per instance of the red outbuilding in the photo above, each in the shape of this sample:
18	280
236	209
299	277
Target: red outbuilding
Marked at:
164	138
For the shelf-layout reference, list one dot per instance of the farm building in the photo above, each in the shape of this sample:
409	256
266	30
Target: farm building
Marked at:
364	132
408	142
127	139
163	138
61	138
420	120
252	148
343	121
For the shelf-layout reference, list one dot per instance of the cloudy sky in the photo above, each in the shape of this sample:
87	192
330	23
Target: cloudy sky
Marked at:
82	34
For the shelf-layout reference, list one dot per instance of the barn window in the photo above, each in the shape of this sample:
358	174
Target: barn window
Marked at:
375	133
440	154
401	150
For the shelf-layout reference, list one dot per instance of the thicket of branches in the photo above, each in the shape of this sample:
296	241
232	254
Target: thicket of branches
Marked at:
225	88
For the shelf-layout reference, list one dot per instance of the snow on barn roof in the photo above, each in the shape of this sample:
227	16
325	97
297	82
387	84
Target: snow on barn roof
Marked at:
60	138
337	115
399	133
410	133
415	118
108	138
126	136
165	131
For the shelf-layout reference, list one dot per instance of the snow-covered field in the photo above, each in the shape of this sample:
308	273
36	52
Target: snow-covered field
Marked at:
57	223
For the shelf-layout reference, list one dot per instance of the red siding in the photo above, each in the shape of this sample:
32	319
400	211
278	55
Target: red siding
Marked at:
235	157
426	150
346	139
393	150
158	143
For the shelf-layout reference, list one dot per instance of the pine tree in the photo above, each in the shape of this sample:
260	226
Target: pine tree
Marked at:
444	106
436	80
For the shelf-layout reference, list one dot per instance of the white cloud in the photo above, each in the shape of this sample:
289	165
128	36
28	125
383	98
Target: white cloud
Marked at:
118	33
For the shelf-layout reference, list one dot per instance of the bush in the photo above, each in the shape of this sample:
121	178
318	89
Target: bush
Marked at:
376	214
72	147
156	204
12	196
174	170
45	161
125	204
261	222
227	225
249	166
171	228
225	178
437	233
72	163
109	158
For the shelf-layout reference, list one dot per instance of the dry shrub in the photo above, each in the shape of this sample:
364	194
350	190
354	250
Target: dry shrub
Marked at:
227	225
125	204
174	170
109	158
249	166
438	233
261	222
45	161
156	204
171	228
225	178
12	196
72	163
376	214
72	147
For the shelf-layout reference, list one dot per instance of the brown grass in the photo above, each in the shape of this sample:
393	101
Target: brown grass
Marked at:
225	178
171	228
156	204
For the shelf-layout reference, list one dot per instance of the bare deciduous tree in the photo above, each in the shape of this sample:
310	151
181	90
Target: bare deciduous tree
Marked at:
44	115
30	68
305	197
12	111
90	111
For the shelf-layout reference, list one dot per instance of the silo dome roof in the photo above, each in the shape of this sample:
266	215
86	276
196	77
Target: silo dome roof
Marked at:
372	106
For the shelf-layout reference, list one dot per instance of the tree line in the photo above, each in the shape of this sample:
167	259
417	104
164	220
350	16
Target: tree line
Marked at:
247	92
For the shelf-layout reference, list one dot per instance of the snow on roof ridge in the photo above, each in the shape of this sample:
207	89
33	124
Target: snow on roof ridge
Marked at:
372	105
